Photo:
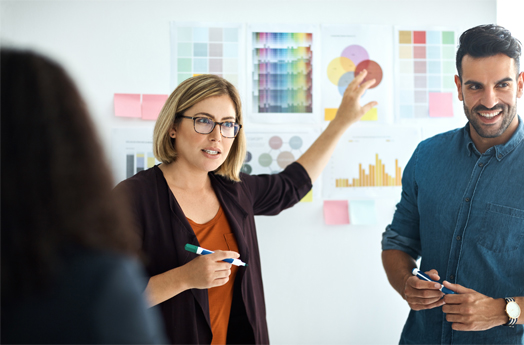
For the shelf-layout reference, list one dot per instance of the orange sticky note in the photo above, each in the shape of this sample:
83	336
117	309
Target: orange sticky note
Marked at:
330	113
440	104
336	212
127	104
151	106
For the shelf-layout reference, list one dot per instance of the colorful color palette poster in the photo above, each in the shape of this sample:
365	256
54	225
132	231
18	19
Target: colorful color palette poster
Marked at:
346	51
200	48
131	151
369	161
425	70
281	73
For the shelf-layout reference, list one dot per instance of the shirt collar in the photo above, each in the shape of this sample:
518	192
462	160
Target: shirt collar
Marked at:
501	150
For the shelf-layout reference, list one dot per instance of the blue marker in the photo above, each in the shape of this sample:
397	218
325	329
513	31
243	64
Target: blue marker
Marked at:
201	251
423	276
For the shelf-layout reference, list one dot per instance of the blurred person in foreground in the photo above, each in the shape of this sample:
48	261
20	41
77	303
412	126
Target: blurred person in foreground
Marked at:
69	269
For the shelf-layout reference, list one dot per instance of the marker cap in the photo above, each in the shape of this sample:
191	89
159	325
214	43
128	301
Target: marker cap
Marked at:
191	248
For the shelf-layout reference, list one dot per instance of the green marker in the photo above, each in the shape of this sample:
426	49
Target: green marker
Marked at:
201	251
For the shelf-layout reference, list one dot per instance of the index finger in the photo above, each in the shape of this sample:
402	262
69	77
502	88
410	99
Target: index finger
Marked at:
420	284
225	254
364	86
357	80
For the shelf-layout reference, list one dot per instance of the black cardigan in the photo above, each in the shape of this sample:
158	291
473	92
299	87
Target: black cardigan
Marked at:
164	231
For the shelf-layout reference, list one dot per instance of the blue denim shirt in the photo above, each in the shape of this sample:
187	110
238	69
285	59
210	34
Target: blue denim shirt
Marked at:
462	213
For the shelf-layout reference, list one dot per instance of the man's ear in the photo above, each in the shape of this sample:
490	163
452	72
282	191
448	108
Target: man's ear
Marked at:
520	84
458	82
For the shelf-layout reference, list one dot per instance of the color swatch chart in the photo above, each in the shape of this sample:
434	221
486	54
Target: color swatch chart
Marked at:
369	161
346	51
282	72
205	49
425	71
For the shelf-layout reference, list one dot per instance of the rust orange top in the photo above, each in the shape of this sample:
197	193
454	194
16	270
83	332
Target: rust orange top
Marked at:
216	235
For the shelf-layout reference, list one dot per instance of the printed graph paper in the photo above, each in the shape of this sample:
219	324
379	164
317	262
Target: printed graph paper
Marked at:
425	73
201	48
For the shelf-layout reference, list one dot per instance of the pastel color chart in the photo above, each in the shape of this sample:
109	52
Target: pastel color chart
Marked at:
425	73
200	49
282	72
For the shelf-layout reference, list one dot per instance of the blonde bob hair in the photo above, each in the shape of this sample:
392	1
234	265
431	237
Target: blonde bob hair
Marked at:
188	93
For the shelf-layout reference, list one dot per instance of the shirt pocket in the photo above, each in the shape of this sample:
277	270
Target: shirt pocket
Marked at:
503	229
231	242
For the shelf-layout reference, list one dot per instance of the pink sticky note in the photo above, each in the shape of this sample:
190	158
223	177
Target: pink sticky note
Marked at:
127	104
440	104
151	106
336	212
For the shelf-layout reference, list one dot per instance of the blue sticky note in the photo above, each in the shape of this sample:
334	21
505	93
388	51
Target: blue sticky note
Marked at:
362	212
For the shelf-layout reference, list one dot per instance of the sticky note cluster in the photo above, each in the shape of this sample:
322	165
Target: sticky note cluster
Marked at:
146	107
339	212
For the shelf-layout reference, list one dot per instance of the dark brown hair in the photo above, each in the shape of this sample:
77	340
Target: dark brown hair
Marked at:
485	41
56	186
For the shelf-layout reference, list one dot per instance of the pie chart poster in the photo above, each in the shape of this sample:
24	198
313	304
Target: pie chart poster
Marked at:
348	49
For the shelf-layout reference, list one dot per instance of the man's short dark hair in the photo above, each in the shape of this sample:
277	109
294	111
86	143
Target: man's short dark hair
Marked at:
485	41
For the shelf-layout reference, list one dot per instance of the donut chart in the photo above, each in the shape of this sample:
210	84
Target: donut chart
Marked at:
353	59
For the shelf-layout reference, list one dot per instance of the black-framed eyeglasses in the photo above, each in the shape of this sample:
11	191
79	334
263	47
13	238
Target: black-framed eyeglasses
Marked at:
204	125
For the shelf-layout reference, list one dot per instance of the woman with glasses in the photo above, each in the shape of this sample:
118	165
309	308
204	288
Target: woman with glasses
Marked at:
198	196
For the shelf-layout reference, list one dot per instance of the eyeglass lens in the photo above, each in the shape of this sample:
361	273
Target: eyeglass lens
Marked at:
205	126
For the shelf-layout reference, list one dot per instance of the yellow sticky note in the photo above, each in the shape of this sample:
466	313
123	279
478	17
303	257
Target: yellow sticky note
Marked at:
371	115
308	197
330	113
194	75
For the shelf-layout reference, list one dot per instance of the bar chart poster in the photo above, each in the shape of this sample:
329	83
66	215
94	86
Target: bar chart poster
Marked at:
369	161
202	48
425	70
281	73
346	51
131	151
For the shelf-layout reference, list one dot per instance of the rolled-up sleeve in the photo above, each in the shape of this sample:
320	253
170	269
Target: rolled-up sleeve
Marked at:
403	232
273	193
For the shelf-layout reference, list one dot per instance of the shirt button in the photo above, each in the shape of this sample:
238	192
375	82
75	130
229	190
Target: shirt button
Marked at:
452	277
481	164
459	238
500	156
467	199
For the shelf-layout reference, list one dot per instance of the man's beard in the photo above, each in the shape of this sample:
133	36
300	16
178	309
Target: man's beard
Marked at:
487	131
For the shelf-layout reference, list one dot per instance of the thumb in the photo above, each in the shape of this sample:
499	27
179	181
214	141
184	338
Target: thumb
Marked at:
369	106
457	287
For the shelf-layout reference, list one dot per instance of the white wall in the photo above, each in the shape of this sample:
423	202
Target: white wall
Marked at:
330	288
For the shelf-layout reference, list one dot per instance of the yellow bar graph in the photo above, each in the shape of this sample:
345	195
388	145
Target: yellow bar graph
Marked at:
376	176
